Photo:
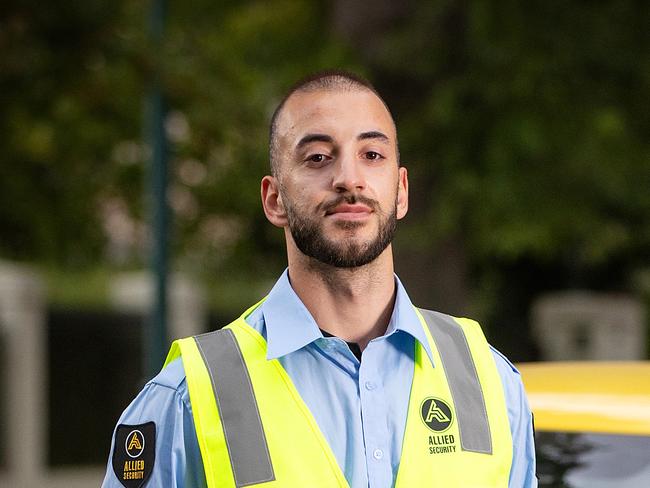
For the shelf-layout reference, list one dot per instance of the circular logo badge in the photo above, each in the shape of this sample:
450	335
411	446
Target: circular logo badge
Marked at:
436	414
134	443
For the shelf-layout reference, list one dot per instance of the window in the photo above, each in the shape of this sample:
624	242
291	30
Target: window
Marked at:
585	460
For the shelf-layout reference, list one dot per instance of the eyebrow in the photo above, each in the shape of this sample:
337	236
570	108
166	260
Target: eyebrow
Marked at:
373	134
309	138
313	138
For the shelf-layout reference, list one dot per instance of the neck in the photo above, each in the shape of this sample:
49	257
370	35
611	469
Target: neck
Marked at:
354	304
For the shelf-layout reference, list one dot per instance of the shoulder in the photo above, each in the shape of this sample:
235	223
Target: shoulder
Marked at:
172	377
172	380
162	399
505	367
503	362
510	377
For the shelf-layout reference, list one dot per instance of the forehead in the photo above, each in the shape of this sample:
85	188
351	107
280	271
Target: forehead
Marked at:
341	114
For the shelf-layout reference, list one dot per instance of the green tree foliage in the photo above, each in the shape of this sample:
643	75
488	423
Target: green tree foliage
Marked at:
232	66
64	76
73	80
529	134
524	127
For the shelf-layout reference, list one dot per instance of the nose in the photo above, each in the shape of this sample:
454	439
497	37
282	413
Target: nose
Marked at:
348	175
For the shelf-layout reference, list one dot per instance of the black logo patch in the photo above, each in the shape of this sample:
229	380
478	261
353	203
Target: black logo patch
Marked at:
134	453
436	414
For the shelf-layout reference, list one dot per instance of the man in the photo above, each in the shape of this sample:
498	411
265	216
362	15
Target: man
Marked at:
335	379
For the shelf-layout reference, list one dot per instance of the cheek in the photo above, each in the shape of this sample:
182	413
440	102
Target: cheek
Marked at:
387	190
305	193
295	199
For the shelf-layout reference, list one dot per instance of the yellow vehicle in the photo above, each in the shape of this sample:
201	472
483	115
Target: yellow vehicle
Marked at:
592	423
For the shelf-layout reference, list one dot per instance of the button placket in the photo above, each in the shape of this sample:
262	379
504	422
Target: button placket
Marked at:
374	412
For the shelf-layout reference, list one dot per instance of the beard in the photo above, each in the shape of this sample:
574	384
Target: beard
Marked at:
310	238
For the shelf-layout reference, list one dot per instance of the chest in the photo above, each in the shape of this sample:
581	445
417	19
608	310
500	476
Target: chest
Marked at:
359	406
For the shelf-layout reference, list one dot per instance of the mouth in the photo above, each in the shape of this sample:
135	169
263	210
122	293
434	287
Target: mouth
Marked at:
349	211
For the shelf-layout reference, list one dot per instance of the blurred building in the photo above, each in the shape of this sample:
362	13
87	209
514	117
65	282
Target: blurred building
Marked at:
583	325
66	375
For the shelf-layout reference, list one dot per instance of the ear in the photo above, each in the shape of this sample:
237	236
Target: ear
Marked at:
272	202
402	192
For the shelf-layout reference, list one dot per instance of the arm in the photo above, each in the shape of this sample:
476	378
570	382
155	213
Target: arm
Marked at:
522	471
171	453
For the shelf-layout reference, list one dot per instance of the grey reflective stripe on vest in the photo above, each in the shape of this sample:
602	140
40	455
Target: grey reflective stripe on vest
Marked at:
240	417
463	382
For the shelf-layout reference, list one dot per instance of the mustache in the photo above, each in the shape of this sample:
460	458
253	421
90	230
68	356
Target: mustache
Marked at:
350	199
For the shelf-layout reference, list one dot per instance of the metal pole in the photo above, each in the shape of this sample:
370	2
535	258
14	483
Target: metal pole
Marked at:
156	330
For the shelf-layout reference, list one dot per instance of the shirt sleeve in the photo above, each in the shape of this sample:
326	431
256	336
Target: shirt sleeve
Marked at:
522	470
165	402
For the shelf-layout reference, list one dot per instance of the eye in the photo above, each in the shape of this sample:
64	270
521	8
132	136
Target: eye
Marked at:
317	160
372	155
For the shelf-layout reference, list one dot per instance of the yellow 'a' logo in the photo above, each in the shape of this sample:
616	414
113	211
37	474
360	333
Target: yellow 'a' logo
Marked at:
436	413
135	443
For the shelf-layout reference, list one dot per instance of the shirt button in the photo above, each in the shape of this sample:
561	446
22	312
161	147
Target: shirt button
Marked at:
370	385
378	454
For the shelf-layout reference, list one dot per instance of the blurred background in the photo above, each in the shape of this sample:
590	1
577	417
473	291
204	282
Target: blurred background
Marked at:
524	126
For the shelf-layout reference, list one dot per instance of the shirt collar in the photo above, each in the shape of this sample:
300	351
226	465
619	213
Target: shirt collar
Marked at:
405	318
290	326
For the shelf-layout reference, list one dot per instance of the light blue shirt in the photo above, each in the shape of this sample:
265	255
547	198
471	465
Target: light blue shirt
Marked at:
369	397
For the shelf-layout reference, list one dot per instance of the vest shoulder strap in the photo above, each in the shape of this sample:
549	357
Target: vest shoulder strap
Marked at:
451	338
239	411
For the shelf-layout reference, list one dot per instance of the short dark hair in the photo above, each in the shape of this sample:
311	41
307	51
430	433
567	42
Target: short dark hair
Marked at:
322	80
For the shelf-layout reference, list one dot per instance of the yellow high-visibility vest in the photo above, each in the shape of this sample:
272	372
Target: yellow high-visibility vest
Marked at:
254	429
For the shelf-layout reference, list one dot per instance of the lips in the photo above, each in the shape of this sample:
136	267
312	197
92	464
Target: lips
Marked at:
349	208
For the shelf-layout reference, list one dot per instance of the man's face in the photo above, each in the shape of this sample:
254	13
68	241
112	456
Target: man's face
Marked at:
339	180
